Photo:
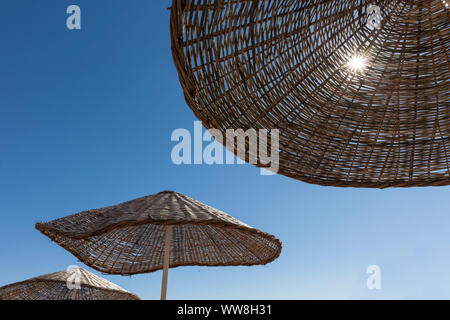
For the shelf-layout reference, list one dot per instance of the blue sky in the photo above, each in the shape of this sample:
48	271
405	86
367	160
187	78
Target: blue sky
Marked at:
85	122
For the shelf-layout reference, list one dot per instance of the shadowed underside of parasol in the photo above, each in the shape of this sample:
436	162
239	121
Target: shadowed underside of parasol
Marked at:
129	238
289	65
54	287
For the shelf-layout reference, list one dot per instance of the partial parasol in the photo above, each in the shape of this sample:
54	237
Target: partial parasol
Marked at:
160	231
359	90
71	284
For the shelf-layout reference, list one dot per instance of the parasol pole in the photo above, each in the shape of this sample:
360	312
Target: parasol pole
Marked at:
166	262
74	294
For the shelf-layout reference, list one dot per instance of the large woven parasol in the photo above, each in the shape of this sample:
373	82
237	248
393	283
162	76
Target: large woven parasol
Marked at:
360	90
156	232
73	284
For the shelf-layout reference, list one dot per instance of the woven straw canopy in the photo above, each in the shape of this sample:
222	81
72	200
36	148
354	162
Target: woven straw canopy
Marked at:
129	238
290	65
53	286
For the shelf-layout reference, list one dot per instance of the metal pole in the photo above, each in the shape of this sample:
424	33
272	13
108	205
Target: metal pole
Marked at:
166	262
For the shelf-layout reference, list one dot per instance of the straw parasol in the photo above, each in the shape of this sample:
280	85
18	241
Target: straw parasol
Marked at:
159	231
360	90
73	284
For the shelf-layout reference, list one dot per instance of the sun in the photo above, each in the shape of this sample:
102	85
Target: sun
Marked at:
357	63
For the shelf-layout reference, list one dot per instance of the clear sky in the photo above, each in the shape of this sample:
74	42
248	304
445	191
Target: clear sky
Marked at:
85	122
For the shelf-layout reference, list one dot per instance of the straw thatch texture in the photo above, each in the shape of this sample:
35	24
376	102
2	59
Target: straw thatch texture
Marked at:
54	287
280	64
129	238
